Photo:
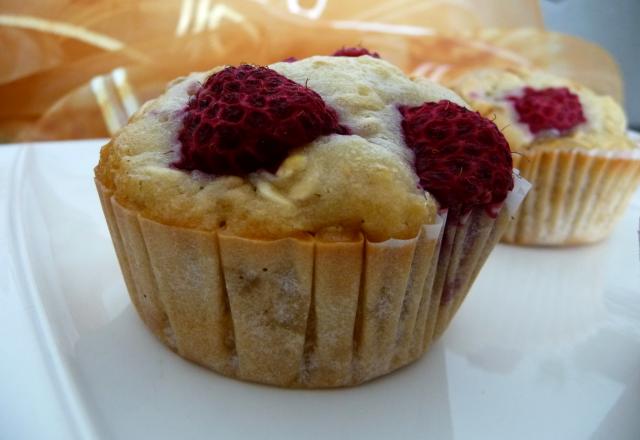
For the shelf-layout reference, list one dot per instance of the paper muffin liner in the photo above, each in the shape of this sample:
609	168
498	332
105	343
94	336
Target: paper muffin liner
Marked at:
577	195
303	311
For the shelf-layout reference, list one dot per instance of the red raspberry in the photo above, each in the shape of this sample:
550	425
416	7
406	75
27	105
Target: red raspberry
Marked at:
354	52
249	118
553	108
460	157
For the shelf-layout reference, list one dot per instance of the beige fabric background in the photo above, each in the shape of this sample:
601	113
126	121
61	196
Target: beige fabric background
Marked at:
72	69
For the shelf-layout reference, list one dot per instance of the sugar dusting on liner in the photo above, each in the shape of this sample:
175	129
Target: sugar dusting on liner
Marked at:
300	312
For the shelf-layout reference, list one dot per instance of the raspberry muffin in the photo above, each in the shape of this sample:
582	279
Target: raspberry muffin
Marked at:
313	223
570	143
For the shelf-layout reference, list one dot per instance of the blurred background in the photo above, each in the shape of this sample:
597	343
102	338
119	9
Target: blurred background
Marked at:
73	69
613	25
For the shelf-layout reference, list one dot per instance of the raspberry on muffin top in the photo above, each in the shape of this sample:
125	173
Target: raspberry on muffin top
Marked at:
540	110
299	147
248	118
354	52
460	157
555	110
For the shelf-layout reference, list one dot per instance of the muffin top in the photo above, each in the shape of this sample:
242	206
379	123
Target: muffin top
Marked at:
325	151
538	110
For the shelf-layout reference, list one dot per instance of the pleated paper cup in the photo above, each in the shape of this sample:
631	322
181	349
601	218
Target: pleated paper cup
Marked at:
307	311
577	195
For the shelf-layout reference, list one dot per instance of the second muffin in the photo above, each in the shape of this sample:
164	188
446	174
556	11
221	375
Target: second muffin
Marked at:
569	142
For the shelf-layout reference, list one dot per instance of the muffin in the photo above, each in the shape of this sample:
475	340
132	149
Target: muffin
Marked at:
569	142
313	223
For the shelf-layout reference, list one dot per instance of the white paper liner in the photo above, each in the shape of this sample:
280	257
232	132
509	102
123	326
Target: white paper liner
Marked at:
300	312
577	195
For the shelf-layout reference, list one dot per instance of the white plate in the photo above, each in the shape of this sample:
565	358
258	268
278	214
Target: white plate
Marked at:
546	346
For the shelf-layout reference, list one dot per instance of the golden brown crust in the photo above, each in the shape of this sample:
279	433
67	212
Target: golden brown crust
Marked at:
105	171
363	182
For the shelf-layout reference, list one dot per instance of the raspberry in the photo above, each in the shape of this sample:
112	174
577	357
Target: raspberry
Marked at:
553	108
460	157
354	52
249	118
